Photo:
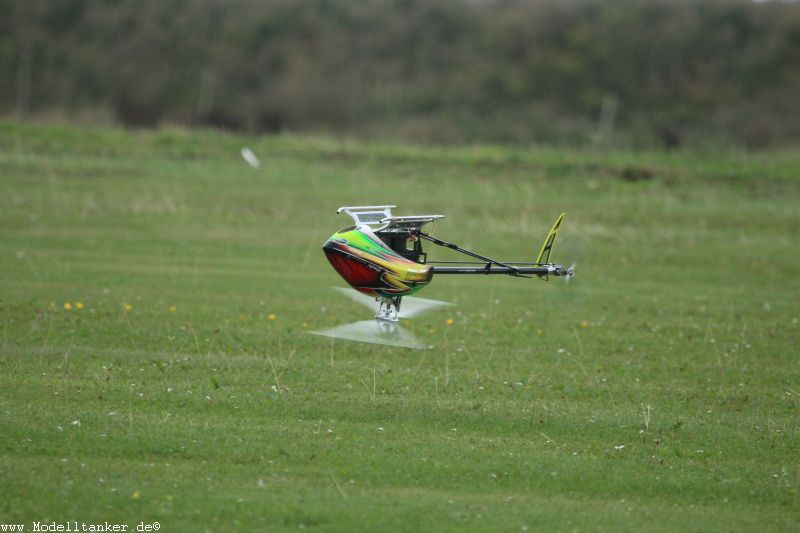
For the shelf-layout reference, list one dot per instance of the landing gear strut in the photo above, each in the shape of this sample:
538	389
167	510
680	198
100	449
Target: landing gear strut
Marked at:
389	309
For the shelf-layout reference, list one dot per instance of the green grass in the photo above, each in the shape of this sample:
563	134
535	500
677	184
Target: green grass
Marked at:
658	391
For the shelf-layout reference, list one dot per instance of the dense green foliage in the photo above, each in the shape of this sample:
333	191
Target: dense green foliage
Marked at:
665	71
658	391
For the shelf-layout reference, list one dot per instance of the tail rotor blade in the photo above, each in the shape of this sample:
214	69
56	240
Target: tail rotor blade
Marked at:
570	272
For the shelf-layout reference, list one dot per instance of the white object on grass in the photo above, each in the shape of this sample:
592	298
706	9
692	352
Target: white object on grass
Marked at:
250	157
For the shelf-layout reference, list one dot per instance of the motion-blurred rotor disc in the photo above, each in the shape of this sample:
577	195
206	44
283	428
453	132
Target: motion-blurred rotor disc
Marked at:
374	331
409	308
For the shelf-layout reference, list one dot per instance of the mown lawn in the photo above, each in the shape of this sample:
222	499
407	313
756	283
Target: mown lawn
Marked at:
156	291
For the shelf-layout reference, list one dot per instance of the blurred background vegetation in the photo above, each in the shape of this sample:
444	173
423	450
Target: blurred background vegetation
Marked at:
625	72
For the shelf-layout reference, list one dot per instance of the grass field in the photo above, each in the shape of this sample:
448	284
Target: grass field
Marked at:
154	366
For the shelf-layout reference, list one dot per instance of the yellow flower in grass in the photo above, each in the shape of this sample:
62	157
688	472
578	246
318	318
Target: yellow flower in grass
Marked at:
173	308
127	307
78	305
67	306
449	321
584	324
136	495
272	316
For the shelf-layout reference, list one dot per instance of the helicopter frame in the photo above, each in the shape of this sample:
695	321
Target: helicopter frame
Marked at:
401	237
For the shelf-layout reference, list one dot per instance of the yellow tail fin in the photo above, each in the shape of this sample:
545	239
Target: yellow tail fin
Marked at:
547	247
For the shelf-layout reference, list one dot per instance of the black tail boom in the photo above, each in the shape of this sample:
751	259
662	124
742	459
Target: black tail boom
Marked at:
493	269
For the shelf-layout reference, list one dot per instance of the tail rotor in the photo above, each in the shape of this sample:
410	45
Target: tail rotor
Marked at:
570	272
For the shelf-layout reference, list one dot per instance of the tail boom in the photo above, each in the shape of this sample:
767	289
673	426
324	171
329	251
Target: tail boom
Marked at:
492	269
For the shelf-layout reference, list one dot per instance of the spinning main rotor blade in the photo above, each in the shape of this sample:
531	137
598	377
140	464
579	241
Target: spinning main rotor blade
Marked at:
410	307
373	331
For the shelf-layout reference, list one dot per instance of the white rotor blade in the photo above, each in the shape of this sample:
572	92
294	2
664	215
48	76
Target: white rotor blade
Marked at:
412	306
373	331
409	307
571	272
360	298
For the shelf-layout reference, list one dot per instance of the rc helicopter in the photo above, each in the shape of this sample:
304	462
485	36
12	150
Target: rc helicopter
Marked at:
381	257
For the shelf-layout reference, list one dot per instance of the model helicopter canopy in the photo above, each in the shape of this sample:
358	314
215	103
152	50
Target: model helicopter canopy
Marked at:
379	218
